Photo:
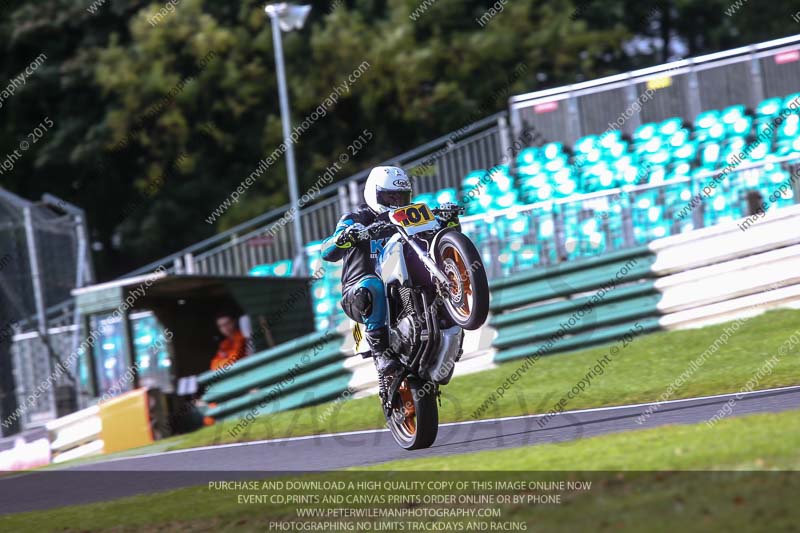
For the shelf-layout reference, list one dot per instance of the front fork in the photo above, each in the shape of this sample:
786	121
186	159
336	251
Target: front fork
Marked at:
429	263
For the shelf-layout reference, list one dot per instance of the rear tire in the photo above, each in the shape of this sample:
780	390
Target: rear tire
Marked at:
414	420
457	257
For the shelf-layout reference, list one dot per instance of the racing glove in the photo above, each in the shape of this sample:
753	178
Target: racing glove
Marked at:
450	210
354	233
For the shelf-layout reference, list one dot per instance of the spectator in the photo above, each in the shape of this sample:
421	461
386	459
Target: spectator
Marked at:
233	347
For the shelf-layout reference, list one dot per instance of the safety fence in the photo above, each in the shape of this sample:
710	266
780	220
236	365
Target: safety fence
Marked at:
44	254
438	164
679	89
34	358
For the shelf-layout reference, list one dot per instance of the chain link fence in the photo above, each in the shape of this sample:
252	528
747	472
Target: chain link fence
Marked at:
43	256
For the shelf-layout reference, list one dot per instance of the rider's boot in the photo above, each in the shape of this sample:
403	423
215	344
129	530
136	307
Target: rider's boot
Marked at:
385	360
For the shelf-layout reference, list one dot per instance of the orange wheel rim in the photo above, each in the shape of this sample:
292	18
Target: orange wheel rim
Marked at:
410	414
465	290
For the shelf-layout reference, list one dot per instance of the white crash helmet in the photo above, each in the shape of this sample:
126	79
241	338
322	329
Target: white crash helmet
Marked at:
387	188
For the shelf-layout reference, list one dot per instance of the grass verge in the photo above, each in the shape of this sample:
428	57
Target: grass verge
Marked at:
632	501
639	372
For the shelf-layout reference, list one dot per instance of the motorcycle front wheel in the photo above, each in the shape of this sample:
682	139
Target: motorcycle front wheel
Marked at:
468	298
414	419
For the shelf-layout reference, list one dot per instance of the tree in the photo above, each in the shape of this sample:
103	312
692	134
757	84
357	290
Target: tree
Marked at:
159	115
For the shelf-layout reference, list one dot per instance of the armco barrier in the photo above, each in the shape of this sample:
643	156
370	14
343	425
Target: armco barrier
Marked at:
119	423
574	304
29	449
721	273
695	279
76	435
304	371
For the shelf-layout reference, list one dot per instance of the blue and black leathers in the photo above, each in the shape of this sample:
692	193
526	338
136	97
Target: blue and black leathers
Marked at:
363	294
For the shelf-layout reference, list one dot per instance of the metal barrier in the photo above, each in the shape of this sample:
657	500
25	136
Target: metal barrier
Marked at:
44	255
432	166
678	89
616	216
34	360
77	435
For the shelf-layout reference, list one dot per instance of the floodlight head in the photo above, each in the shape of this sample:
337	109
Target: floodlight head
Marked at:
290	17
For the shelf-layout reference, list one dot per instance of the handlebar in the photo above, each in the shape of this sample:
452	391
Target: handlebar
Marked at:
459	210
379	226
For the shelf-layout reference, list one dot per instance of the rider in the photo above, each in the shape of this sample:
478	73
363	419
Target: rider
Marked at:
363	293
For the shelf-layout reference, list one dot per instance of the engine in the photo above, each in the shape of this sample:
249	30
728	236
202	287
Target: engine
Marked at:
404	336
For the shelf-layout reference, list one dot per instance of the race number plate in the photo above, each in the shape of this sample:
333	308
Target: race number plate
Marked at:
415	218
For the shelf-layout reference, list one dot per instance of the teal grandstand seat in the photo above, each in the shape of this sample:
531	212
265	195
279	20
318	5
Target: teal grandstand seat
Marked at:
261	270
552	150
742	126
501	180
586	144
732	114
706	119
282	269
769	107
644	133
792	100
789	128
472	179
610	138
556	163
710	154
527	257
527	156
668	127
445	196
278	269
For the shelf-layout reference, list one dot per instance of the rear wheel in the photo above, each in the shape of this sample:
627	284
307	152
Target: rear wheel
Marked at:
468	296
414	419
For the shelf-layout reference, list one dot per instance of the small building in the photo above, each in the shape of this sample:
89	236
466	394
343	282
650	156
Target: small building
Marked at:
155	330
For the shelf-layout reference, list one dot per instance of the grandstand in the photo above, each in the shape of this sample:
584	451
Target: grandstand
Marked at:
631	183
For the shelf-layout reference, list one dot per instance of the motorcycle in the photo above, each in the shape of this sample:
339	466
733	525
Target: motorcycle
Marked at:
436	287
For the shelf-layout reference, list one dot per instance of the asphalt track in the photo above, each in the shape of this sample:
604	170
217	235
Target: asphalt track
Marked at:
117	478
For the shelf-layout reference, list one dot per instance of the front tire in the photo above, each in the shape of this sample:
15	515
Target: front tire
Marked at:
468	302
414	419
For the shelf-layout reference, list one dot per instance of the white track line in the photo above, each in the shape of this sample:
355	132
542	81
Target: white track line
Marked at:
483	421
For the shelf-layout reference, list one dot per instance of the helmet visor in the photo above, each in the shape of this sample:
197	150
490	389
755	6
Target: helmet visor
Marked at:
389	198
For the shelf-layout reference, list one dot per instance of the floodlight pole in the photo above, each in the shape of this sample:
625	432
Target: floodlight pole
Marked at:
299	267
